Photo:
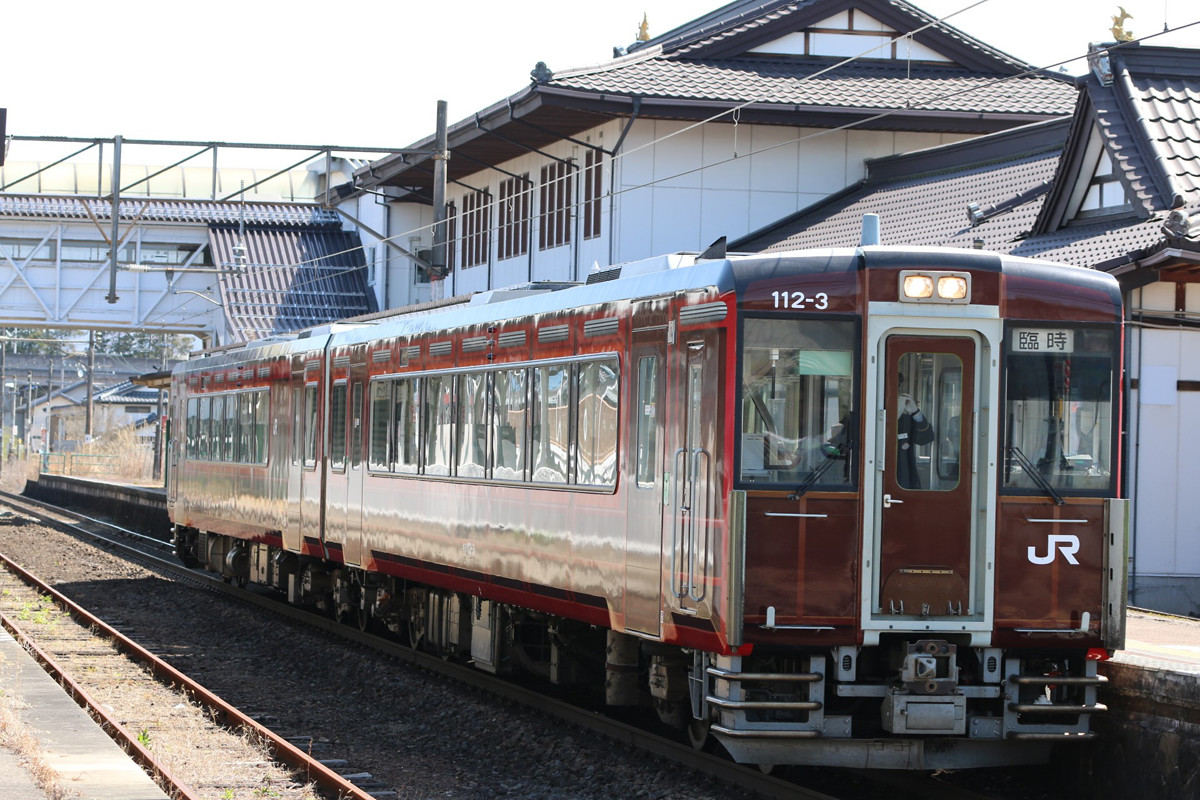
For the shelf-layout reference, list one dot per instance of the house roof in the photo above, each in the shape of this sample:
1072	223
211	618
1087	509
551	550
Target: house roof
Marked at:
707	67
1148	123
184	212
922	197
295	278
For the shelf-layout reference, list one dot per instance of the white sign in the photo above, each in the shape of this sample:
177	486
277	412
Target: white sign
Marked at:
1043	340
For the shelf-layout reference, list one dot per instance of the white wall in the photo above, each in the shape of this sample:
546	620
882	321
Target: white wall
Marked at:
1164	427
676	186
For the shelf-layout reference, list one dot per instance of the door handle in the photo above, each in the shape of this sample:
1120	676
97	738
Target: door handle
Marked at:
889	501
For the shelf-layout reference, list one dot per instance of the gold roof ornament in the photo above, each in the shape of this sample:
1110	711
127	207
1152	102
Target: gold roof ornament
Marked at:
1118	28
643	34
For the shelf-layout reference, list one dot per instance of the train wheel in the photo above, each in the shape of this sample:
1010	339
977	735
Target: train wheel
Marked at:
698	734
362	614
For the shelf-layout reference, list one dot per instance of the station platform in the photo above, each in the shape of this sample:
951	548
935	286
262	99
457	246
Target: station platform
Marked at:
87	763
139	507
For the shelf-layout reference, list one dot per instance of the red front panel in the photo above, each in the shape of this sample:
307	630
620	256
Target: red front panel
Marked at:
1049	564
802	559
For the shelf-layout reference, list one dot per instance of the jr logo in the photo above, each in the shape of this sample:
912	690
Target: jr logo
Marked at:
1067	544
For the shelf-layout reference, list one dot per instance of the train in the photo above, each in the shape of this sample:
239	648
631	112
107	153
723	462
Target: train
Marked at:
856	507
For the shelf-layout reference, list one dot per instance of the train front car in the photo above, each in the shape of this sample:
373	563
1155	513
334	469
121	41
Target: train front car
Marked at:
927	458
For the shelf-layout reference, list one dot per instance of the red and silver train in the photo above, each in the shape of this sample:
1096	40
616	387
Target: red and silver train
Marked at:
853	507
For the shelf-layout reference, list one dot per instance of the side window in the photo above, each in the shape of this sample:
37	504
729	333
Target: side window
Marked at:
381	409
246	427
472	425
508	425
205	426
262	422
193	425
297	425
596	432
337	426
216	437
406	416
439	424
232	439
646	413
310	425
356	426
551	423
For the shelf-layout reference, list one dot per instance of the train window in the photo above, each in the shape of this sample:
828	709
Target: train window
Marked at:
928	439
596	431
337	426
439	423
232	440
406	416
472	425
551	423
297	425
797	386
193	425
262	423
356	430
310	425
204	427
381	409
1058	408
647	422
508	424
217	435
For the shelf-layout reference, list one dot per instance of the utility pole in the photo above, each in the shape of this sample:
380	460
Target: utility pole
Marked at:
116	219
440	156
159	432
91	368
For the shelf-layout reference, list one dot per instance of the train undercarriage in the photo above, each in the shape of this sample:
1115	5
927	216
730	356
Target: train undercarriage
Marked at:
913	702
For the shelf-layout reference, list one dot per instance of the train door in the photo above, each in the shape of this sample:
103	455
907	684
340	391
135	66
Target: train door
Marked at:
337	480
295	455
357	421
644	527
690	517
928	550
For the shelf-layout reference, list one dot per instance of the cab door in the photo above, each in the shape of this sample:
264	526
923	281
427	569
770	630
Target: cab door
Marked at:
927	544
691	517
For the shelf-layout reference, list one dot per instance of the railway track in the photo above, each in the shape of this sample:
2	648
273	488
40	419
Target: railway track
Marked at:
115	679
747	781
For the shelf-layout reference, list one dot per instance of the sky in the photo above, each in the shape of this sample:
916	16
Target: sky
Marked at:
363	73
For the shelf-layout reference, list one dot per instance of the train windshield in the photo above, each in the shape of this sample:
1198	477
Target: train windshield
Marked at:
1058	410
797	385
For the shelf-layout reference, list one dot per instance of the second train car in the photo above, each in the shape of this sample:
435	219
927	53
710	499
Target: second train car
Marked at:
852	507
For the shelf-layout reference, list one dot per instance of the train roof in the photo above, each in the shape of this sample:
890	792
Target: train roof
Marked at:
656	277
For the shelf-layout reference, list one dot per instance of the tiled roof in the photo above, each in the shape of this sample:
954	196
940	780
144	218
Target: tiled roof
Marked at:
922	198
295	279
183	212
795	82
1148	120
1168	113
127	393
741	20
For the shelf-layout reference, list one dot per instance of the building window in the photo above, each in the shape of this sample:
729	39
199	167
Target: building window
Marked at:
592	176
556	193
512	212
476	219
1105	194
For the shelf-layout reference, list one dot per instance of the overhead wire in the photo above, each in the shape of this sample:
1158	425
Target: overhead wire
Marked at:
614	159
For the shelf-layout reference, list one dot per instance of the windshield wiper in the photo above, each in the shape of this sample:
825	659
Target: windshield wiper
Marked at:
1035	474
832	453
